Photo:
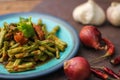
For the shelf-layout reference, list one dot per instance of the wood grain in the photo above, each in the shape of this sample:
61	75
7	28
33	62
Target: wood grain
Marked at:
63	9
12	6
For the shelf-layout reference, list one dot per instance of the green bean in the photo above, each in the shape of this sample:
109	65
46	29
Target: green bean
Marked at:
33	47
49	53
50	48
6	26
17	62
22	55
4	52
57	53
14	45
47	42
36	53
46	51
54	30
22	67
59	43
30	43
26	65
27	54
1	50
41	58
9	65
40	22
2	35
12	52
11	59
45	30
12	42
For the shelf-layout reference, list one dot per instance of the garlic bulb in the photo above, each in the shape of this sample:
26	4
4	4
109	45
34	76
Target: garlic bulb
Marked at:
113	14
89	13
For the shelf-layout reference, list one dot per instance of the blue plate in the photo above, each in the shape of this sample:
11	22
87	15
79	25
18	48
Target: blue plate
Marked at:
67	33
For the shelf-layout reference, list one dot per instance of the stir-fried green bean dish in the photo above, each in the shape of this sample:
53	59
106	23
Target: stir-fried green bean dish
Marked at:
24	45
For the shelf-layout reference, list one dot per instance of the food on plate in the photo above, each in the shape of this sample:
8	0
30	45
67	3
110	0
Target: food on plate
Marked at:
77	68
113	13
89	13
24	45
90	36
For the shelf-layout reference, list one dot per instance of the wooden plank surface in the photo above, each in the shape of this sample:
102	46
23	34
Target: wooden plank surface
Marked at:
12	6
63	9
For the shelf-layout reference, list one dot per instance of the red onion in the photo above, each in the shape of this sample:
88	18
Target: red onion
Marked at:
77	68
90	36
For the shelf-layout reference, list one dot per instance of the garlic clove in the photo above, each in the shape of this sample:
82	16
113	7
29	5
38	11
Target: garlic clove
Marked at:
113	14
89	13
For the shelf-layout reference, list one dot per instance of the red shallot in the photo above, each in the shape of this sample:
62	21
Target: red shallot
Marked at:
77	68
90	36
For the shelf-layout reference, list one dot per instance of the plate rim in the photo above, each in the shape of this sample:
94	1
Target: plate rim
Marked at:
73	53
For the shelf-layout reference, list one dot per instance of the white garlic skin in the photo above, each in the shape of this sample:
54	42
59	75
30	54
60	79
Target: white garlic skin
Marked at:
113	14
89	13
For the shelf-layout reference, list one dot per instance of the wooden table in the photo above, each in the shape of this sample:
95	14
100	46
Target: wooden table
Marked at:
63	9
13	6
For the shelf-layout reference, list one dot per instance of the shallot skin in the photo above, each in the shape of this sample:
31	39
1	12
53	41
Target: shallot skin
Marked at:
90	36
77	68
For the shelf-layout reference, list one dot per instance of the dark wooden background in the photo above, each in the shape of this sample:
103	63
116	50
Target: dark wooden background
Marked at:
63	9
